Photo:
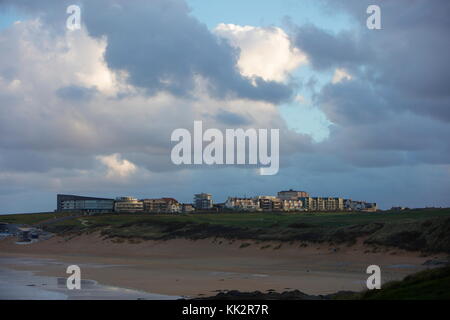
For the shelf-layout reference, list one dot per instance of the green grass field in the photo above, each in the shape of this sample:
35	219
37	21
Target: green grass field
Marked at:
245	219
265	220
30	218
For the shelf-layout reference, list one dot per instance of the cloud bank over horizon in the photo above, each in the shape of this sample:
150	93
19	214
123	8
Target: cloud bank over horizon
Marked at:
91	111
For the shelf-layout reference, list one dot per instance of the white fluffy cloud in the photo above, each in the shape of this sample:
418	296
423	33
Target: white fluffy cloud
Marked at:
71	59
117	167
264	52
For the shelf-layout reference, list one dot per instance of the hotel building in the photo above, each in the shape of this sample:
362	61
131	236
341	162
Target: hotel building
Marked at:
68	202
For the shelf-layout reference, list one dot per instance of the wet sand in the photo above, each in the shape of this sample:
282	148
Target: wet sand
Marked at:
201	268
26	285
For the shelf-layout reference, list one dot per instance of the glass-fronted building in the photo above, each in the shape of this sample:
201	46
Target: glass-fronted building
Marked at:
66	202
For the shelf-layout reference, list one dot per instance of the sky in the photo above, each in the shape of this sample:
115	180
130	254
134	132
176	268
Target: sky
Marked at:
362	114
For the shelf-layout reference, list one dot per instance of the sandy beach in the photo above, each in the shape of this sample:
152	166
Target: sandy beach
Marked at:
26	285
201	268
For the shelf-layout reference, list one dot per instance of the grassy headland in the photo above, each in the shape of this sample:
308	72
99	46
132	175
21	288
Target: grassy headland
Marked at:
419	230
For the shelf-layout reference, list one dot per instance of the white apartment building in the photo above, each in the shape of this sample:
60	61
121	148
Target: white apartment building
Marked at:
323	204
244	204
292	205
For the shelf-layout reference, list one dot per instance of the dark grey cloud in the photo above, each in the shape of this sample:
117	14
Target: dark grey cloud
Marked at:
407	139
230	118
23	160
395	111
405	64
327	50
352	102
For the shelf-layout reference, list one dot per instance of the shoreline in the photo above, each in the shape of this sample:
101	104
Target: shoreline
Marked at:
202	268
27	285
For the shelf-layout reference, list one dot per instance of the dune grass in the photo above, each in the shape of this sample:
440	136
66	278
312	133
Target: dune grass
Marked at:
420	229
431	284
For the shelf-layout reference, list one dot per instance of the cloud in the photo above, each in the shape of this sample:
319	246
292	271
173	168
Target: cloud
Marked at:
386	96
300	99
264	52
67	116
116	166
326	50
162	47
352	102
340	75
159	45
405	62
232	119
76	93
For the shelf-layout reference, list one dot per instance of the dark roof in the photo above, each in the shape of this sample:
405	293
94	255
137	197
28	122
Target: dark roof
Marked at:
170	199
65	197
161	199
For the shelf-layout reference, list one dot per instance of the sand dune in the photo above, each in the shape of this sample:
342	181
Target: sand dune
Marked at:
195	268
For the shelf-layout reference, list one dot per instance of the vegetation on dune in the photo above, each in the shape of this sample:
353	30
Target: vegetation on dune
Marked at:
432	234
430	284
421	229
